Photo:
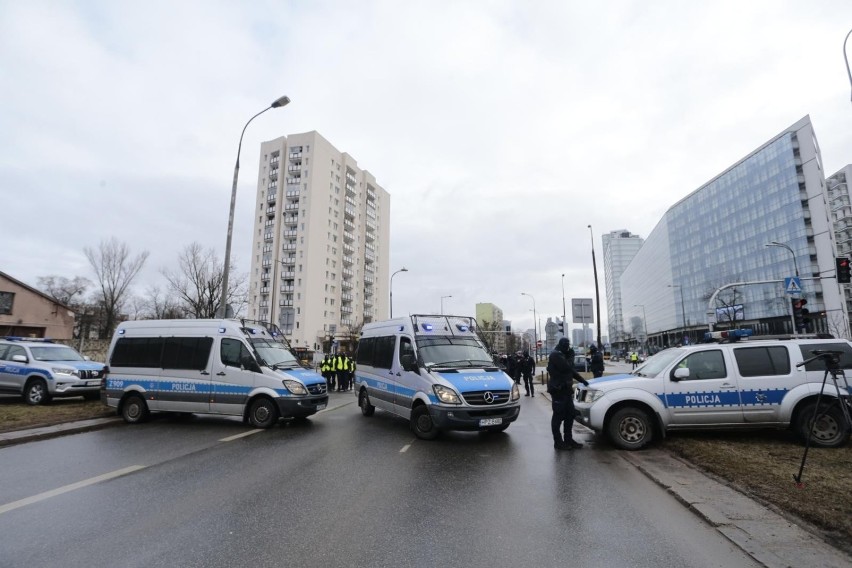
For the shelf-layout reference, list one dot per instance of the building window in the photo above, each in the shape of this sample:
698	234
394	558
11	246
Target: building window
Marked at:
6	301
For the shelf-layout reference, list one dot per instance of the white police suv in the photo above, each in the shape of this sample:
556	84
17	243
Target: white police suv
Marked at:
754	383
40	369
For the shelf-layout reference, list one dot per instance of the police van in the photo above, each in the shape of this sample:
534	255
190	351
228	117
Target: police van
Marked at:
742	383
434	371
224	366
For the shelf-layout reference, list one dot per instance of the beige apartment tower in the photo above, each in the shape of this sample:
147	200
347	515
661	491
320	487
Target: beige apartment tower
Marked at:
320	245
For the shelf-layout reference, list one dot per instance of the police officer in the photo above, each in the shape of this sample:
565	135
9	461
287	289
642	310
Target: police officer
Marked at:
527	369
596	361
342	368
328	371
561	369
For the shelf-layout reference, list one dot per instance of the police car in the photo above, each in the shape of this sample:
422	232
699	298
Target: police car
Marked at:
40	369
751	383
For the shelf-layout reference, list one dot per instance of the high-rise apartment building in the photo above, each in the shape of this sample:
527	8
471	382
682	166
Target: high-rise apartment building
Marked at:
486	316
320	245
619	248
717	236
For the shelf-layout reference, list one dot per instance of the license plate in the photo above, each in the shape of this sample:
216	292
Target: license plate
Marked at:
321	406
93	383
490	421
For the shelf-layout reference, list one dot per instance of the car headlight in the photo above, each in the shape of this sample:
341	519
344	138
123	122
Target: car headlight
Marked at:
65	371
446	395
295	387
592	395
516	392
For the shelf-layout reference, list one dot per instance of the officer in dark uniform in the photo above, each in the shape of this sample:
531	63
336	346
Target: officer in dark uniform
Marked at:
562	374
527	370
596	361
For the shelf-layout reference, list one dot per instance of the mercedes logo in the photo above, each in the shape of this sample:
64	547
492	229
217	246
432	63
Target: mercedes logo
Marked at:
488	397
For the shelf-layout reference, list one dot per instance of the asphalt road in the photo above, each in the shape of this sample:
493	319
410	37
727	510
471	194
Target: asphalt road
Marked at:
339	490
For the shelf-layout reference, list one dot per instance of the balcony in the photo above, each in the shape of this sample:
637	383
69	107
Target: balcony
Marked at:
273	174
271	197
264	290
266	262
349	212
292	194
345	310
346	297
286	289
350	201
369	237
371	226
291	220
346	284
289	246
345	321
347	248
348	237
369	257
371	193
369	280
370	247
290	234
270	211
294	168
285	303
347	260
294	180
288	275
347	272
295	156
268	236
291	207
348	224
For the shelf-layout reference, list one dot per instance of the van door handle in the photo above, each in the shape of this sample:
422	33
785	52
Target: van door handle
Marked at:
204	373
727	386
220	374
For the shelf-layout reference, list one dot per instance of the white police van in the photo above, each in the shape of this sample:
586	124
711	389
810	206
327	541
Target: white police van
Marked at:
434	371
222	366
753	383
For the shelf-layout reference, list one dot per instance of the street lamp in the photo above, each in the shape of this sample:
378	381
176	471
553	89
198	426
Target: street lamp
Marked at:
563	307
442	303
597	292
535	319
279	102
782	245
403	269
645	324
845	58
682	309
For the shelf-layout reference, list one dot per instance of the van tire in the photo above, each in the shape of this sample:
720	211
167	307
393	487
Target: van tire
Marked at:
630	428
829	431
134	410
421	423
367	409
35	392
262	413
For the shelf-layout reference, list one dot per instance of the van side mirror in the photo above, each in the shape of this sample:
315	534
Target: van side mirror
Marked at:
19	358
409	363
681	373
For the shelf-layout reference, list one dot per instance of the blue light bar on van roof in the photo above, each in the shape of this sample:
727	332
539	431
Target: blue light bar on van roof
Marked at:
402	328
121	331
462	327
221	330
426	326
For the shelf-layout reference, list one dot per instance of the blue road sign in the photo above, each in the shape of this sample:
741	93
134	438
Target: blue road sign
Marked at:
792	285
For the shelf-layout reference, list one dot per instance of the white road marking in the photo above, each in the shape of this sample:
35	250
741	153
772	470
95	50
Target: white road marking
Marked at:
243	435
65	489
405	448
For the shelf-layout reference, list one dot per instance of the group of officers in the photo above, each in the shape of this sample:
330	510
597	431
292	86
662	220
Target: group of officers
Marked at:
518	366
338	369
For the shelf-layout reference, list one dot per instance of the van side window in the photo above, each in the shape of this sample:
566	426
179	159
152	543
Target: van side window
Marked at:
366	348
405	347
705	365
191	353
762	361
137	352
383	357
819	364
15	350
233	352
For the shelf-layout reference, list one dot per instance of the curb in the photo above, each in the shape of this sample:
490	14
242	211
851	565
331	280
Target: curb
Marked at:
56	430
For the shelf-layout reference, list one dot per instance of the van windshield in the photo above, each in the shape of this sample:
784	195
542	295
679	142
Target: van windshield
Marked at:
448	351
274	354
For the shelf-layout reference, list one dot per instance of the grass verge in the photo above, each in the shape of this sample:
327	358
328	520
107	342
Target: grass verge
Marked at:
15	414
763	464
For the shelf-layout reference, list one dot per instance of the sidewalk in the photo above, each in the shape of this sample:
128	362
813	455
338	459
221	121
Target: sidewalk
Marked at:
768	537
32	434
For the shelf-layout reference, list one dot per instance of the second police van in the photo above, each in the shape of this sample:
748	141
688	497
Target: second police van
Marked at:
756	383
224	366
434	371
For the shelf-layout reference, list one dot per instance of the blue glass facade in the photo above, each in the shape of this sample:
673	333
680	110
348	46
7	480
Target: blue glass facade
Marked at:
717	235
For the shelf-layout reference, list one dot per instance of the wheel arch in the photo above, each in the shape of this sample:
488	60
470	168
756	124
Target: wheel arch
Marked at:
250	400
657	422
827	398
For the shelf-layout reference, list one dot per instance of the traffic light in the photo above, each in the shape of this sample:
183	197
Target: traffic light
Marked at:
844	270
561	326
800	314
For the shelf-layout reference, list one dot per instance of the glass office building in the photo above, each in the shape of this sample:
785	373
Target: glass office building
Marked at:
718	235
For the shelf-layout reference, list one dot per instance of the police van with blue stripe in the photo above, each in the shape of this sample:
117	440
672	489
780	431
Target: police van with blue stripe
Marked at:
741	383
224	366
436	372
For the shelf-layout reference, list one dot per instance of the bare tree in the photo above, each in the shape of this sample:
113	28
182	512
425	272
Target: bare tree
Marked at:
836	324
198	283
157	304
115	271
64	290
487	331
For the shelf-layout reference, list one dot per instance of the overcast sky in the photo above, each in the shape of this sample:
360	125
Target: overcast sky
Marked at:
501	129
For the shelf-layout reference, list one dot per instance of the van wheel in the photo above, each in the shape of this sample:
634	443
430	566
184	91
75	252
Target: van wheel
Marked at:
263	413
35	392
134	409
421	423
828	431
367	409
630	429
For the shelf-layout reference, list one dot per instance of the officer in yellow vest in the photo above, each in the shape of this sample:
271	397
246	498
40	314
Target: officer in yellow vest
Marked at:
327	371
342	369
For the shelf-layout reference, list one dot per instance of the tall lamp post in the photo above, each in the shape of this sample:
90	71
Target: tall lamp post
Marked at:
682	309
597	292
795	268
442	303
846	59
535	319
223	312
403	269
564	323
644	323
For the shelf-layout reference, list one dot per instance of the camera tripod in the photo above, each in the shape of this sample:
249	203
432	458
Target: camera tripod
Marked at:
832	367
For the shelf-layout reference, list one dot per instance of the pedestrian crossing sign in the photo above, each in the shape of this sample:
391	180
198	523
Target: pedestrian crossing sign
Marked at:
792	285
